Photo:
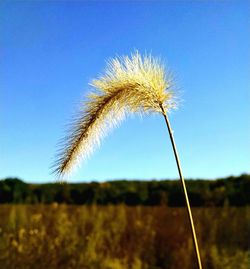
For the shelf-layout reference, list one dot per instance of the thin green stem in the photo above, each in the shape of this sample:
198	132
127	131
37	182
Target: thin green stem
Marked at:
184	187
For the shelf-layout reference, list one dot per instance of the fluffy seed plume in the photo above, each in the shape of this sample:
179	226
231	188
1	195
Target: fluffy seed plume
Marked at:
129	84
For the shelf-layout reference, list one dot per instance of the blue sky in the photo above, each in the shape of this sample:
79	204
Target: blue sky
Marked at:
51	50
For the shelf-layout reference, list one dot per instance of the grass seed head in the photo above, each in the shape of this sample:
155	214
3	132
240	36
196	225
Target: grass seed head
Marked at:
129	84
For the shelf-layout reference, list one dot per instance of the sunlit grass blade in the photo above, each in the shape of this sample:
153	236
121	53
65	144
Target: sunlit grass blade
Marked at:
129	84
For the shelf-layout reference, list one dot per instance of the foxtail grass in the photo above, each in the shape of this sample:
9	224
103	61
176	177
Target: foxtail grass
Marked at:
135	84
129	84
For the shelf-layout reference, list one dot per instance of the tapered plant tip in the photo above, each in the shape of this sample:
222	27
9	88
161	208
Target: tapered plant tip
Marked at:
129	84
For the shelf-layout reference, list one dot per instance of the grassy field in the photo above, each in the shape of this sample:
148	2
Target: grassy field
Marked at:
119	237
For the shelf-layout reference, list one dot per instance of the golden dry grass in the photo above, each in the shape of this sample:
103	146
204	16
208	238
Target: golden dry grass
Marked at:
121	237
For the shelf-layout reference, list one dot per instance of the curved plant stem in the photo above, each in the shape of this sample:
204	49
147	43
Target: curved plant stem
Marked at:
184	187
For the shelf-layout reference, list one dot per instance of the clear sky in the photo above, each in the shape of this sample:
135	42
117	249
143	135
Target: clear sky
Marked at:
51	50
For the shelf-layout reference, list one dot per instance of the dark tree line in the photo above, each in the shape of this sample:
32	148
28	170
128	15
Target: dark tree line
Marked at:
233	191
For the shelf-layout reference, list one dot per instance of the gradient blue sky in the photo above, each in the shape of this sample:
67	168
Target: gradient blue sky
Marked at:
51	50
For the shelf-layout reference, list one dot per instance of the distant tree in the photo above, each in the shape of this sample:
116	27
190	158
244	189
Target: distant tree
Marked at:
234	191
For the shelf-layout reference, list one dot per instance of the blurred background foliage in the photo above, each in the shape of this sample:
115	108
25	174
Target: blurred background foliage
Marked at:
233	191
124	224
121	237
